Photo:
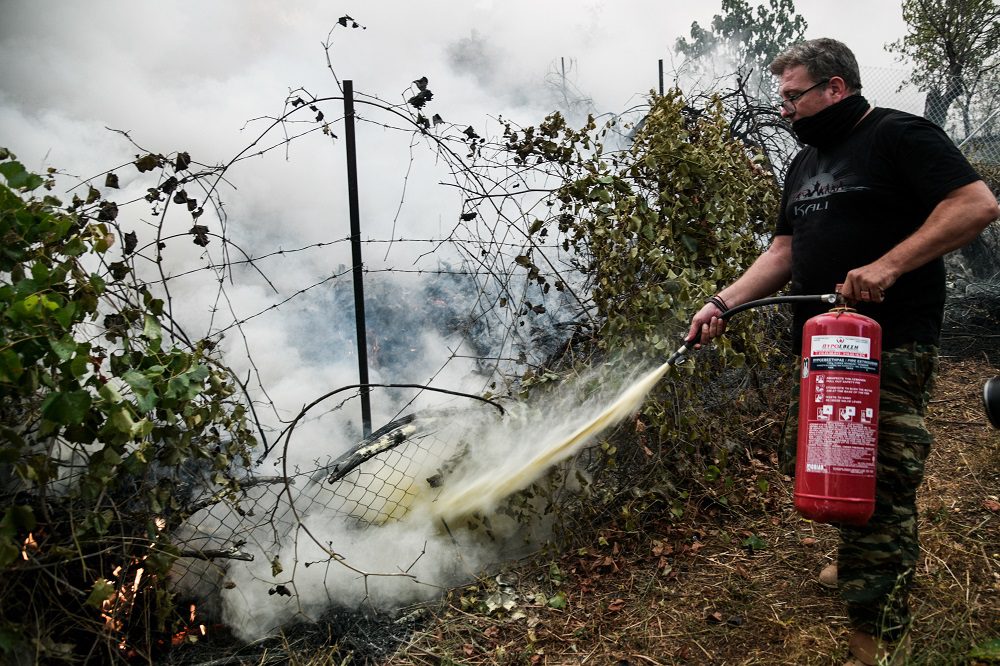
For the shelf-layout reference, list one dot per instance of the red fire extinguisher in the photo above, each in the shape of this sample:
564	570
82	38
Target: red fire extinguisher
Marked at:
838	410
838	418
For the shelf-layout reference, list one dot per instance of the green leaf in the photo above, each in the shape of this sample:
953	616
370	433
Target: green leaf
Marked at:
23	517
98	283
66	408
192	384
142	387
689	243
9	552
177	387
135	463
121	420
754	542
110	394
80	365
152	331
557	601
111	457
18	177
198	373
139	382
10	366
74	247
102	591
142	428
64	315
63	348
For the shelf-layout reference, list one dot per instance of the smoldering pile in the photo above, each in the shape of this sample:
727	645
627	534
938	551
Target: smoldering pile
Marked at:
362	637
351	533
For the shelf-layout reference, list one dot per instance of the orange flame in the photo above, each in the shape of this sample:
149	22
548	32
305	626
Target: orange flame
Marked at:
29	544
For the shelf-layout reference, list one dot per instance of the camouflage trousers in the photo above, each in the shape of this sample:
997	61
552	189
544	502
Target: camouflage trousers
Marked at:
876	562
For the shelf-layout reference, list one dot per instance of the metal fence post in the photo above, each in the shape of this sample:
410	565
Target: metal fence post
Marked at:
359	289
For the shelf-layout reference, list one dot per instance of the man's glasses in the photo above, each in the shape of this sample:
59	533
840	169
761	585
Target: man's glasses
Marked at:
788	104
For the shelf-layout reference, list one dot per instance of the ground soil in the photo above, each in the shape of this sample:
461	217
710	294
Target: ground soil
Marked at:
732	586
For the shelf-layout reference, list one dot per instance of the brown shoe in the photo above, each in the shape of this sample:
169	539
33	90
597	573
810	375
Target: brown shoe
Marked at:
866	650
828	576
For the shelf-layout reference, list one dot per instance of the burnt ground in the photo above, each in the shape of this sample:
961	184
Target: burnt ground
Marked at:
720	584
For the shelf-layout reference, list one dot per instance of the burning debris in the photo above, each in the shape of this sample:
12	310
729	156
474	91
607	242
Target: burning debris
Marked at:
276	523
304	538
360	637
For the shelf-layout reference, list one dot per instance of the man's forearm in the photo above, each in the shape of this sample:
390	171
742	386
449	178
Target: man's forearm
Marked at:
953	223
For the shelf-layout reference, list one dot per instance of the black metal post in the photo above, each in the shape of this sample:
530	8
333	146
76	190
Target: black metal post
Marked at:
661	77
359	287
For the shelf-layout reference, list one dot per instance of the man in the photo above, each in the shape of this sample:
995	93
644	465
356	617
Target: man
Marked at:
873	201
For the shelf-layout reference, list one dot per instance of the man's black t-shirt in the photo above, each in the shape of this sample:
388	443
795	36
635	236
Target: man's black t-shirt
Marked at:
848	205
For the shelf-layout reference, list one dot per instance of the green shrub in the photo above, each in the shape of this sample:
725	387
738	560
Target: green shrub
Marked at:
657	228
103	418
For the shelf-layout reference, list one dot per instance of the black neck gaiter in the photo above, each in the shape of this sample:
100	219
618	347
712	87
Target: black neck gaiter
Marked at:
831	125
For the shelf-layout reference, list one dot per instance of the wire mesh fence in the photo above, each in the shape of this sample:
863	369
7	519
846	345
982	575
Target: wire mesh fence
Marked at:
375	482
973	125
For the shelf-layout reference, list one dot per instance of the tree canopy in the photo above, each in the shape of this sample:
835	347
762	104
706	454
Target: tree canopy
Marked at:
745	38
954	47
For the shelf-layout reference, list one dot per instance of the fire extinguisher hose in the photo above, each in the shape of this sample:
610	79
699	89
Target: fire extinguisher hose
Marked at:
830	299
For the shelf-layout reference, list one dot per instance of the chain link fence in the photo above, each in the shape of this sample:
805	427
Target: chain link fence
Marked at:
974	127
375	482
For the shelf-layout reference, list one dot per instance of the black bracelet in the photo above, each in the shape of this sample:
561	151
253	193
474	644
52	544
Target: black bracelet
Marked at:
719	303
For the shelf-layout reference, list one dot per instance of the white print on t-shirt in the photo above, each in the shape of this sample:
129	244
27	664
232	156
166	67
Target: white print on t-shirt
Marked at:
805	200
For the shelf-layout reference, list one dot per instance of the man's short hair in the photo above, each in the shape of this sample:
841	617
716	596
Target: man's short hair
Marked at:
822	58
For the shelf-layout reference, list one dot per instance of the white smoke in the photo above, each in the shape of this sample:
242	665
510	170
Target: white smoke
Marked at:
190	76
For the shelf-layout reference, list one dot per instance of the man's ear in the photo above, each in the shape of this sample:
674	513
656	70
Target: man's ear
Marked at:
838	87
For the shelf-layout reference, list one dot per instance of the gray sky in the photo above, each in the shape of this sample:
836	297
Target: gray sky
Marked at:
167	71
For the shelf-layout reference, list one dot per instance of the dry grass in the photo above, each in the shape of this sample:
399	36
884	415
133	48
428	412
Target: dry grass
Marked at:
726	586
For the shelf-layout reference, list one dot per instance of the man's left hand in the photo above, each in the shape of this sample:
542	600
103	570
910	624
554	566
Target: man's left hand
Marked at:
868	284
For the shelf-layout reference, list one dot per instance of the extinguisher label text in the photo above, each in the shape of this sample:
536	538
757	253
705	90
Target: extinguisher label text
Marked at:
836	447
847	364
843	346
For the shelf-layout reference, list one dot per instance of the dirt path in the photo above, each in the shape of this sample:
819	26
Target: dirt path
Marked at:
739	587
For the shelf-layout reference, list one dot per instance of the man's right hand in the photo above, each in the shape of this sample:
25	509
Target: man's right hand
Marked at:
706	325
